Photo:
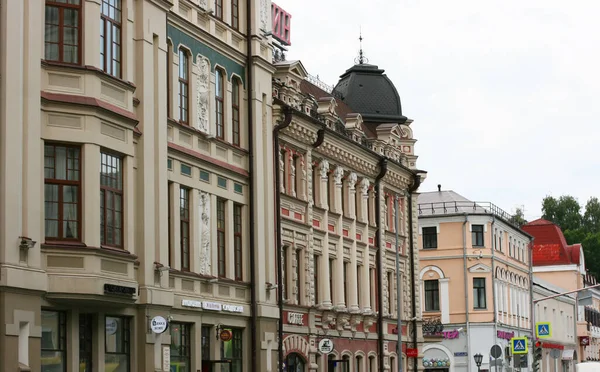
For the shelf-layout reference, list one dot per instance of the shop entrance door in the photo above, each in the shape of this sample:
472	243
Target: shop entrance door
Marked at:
215	366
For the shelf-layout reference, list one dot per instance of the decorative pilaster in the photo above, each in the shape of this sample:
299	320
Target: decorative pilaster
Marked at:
322	196
292	184
205	251
202	94
338	174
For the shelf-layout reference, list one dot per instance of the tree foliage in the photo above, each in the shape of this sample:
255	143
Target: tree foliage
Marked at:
577	227
518	218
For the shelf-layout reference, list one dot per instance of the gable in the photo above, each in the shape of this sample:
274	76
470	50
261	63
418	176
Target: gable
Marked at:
480	268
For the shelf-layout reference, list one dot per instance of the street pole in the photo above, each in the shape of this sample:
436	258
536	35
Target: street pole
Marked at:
398	291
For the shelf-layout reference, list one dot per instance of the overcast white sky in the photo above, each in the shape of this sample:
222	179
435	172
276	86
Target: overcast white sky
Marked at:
503	93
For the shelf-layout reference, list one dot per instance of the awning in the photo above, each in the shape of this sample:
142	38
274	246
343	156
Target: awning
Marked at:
568	354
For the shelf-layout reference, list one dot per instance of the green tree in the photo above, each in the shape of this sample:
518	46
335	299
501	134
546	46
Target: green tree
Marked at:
564	211
591	217
518	218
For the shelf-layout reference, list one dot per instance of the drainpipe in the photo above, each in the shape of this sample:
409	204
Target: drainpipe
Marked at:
532	313
411	246
252	248
466	284
382	172
398	290
494	299
286	122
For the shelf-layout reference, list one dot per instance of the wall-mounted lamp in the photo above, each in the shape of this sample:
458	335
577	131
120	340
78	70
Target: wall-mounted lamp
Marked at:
26	243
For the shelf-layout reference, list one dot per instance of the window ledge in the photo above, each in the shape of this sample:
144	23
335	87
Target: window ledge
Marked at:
123	83
24	368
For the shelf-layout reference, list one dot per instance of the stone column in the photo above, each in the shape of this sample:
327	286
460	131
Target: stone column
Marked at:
322	185
282	159
292	178
90	209
324	275
337	190
229	250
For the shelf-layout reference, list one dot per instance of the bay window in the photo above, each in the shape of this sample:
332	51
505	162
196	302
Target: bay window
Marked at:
111	200
110	37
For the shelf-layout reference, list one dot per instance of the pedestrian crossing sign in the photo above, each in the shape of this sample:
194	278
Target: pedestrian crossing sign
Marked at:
543	329
519	345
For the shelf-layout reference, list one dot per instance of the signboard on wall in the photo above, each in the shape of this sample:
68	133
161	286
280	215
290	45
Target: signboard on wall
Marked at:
281	24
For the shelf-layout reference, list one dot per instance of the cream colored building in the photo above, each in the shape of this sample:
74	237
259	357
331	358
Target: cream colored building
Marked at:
561	313
475	280
127	188
344	156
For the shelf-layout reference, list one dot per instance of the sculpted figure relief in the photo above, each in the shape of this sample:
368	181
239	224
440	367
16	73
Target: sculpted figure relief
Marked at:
338	174
364	187
352	178
204	233
323	169
202	94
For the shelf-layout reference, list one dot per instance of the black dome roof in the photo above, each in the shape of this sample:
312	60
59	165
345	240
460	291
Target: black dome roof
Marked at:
369	92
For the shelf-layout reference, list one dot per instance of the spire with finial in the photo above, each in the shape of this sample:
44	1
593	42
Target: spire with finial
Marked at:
361	57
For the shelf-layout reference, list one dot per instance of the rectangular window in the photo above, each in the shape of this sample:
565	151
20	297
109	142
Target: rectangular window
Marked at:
62	192
222	182
184	87
479	293
111	200
117	343
232	350
204	176
429	237
373	287
110	37
86	345
205	343
221	252
432	295
237	241
358	284
331	279
219	9
237	188
170	164
235	14
169	76
346	299
54	341
184	224
316	277
62	34
186	170
219	95
180	346
299	278
477	235
235	109
390	286
169	227
285	269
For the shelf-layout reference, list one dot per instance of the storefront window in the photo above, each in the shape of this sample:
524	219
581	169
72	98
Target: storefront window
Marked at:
54	342
180	347
294	363
86	325
232	350
116	347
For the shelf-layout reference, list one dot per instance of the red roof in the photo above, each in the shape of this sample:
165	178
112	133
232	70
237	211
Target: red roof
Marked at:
550	246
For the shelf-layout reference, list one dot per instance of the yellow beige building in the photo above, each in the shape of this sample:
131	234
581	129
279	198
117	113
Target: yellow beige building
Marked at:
475	281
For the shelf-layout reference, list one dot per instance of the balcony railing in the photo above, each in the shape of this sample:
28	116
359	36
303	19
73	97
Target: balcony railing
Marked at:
454	207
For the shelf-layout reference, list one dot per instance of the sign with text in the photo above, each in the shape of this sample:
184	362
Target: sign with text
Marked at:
295	318
325	346
281	24
519	345
543	329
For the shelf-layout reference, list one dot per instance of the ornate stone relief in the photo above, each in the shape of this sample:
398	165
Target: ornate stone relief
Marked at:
204	233
352	178
264	15
323	169
202	94
337	175
203	4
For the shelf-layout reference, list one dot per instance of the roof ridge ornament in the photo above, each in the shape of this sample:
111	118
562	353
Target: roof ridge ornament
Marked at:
361	59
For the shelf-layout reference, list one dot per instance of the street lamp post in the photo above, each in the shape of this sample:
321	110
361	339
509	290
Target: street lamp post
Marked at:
478	359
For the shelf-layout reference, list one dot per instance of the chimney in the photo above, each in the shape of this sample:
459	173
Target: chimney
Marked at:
439	188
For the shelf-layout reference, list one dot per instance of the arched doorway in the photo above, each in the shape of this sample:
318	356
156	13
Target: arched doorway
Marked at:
294	363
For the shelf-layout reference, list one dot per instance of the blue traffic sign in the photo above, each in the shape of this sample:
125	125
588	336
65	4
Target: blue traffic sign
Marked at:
543	329
519	345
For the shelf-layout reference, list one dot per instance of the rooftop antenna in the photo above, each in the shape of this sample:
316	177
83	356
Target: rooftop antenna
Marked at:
361	59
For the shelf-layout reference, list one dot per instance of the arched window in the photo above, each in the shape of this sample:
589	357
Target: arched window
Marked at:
294	363
219	94
184	87
235	111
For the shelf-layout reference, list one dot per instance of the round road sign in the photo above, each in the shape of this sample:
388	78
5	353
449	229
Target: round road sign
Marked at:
496	351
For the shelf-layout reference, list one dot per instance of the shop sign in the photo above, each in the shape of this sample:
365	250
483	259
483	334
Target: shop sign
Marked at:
111	326
505	335
548	345
412	353
584	340
119	290
191	303
325	346
295	318
215	306
233	308
461	354
166	355
225	335
158	324
451	334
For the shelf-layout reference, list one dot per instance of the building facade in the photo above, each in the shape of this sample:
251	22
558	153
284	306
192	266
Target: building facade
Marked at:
127	188
559	350
475	281
342	164
563	265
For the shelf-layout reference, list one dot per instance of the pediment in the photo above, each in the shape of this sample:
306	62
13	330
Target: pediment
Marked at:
480	268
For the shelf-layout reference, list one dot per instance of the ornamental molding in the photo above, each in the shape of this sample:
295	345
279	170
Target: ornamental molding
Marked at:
205	250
